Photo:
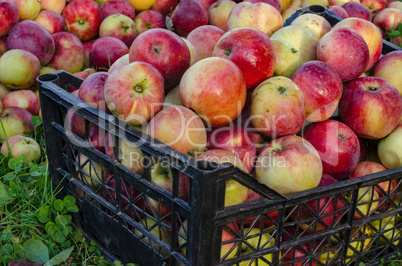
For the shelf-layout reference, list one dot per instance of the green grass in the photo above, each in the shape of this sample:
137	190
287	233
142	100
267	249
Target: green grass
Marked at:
34	224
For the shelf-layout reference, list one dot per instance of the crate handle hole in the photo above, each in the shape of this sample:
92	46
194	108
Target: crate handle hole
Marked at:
48	77
316	9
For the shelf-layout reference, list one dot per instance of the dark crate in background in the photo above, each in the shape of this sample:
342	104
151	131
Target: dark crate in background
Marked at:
115	204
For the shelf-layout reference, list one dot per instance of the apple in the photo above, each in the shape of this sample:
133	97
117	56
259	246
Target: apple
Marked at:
105	51
83	18
164	50
90	173
97	137
374	6
172	98
204	39
322	89
69	55
119	26
22	98
53	5
340	11
4	91
370	33
307	3
358	10
349	59
9	16
134	92
3	45
389	149
337	145
187	16
316	23
92	90
149	19
31	36
17	145
251	50
219	12
236	140
388	19
164	7
15	121
289	12
87	50
274	3
299	255
122	61
340	2
19	69
220	104
84	73
193	52
256	240
156	228
51	20
75	123
180	128
227	237
261	16
364	104
289	164
112	7
385	68
395	4
323	213
251	221
364	149
277	107
28	9
294	46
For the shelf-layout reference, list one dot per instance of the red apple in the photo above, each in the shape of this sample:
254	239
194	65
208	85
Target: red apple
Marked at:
388	19
370	33
337	145
87	50
118	26
324	213
9	16
83	18
218	13
112	7
180	128
31	36
322	89
220	104
19	69
349	59
134	92
92	90
207	3
15	121
188	15
289	164
97	138
204	39
75	122
3	45
316	23
251	50
122	61
277	107
149	19
21	145
385	68
300	254
164	50
357	10
364	149
274	3
340	11
51	20
22	98
236	140
69	54
261	16
105	51
248	222
85	73
366	102
53	5
164	6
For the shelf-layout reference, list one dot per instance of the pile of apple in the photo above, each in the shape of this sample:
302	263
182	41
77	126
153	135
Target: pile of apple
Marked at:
297	107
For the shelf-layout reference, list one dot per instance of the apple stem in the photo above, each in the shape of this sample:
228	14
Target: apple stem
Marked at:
372	88
138	88
227	52
341	136
81	21
281	89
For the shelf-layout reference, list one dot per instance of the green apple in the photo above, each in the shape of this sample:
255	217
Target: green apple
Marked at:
259	241
172	98
21	145
3	91
387	227
163	233
93	172
316	23
15	121
389	149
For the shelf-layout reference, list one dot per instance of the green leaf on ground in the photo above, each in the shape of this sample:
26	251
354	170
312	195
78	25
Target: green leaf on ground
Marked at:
35	250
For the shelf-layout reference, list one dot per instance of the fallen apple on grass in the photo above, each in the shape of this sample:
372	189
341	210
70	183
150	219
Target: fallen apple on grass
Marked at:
17	145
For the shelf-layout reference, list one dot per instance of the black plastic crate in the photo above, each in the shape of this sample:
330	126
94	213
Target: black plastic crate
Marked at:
117	205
